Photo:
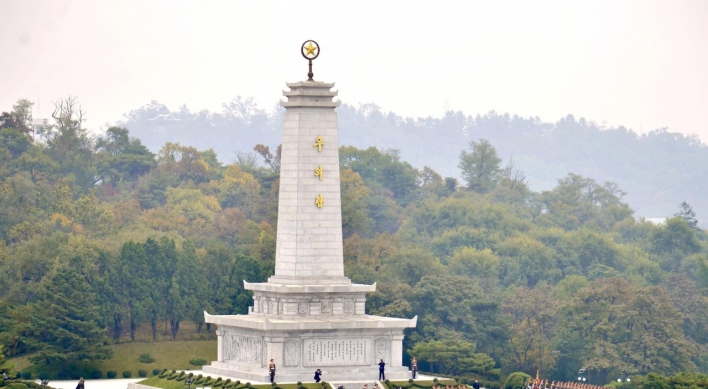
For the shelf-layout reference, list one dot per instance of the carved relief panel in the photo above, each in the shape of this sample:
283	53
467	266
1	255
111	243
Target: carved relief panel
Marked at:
381	349
243	349
326	307
348	307
291	352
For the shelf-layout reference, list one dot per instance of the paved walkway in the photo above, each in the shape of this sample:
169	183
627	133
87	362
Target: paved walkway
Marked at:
122	383
116	383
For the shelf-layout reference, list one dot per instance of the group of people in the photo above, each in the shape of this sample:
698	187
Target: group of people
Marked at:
318	372
545	384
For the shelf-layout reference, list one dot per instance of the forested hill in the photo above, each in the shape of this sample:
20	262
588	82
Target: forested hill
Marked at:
100	237
658	170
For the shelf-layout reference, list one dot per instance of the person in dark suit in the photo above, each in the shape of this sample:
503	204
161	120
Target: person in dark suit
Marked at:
318	375
382	376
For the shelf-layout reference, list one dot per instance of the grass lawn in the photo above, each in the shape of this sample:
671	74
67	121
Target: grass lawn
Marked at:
168	355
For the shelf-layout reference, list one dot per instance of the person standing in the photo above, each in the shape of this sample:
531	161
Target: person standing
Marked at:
318	375
81	383
271	369
382	376
475	385
414	367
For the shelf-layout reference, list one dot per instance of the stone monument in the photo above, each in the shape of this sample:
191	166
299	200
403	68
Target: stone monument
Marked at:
309	315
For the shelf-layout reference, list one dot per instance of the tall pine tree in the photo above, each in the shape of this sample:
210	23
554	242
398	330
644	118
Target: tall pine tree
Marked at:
64	323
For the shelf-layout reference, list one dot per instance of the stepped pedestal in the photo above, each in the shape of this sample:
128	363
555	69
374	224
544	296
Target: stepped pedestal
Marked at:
308	315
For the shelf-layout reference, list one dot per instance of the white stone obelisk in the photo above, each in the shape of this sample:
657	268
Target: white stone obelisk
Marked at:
309	242
309	315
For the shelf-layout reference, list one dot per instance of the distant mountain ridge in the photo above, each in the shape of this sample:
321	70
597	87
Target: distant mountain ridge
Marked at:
658	170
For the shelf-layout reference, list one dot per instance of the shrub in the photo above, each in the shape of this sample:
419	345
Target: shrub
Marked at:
26	375
198	362
127	374
62	375
111	374
76	374
516	380
435	380
142	373
43	375
299	383
496	385
273	384
146	358
410	380
486	384
97	374
155	371
18	376
17	385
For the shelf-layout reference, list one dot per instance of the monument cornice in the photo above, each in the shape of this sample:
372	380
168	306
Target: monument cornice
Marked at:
262	323
306	289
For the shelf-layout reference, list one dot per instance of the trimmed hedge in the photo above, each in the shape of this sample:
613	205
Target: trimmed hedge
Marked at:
111	374
97	374
127	374
198	362
26	375
142	373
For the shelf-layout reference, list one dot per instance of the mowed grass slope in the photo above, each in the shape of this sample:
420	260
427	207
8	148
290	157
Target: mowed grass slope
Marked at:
167	355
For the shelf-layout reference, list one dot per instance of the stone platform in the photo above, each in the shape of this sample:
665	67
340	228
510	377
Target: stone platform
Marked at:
346	347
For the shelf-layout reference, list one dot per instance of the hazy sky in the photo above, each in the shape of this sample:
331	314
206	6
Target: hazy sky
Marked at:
641	64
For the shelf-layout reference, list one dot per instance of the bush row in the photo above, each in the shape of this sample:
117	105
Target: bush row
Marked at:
214	382
458	380
76	374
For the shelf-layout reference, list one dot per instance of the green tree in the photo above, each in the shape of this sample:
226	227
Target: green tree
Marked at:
674	241
628	327
454	307
516	380
687	213
455	357
70	144
534	314
120	157
63	325
480	167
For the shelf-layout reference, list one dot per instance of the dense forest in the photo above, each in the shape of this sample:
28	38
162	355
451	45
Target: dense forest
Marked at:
99	236
657	169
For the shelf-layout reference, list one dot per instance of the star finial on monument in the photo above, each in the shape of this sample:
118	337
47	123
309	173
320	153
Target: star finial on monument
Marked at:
310	52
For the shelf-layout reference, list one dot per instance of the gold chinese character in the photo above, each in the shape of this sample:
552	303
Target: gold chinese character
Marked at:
319	201
318	172
318	143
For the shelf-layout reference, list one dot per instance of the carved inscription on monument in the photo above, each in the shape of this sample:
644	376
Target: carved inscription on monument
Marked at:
336	352
243	349
381	347
291	351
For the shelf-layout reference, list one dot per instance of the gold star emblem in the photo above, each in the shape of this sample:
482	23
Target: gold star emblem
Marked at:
310	49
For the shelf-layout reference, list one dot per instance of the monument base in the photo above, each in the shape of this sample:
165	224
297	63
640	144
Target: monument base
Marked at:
344	348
